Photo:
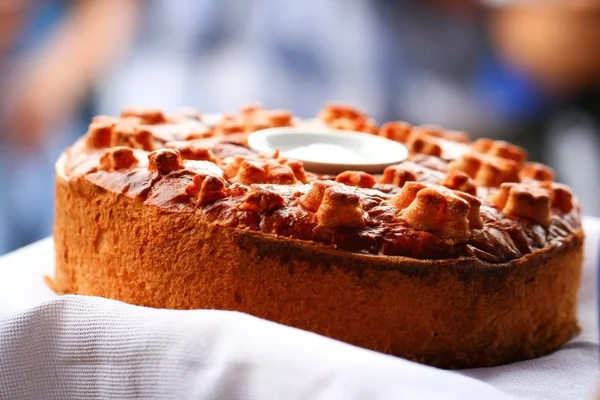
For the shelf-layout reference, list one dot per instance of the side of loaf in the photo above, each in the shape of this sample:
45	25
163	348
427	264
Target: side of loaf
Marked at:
450	315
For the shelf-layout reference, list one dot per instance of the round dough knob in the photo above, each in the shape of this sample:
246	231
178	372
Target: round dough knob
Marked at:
99	134
419	143
313	198
560	196
519	200
165	161
457	180
437	209
397	175
193	150
261	200
441	133
396	130
500	148
207	187
486	170
347	118
537	171
356	178
118	158
340	207
148	116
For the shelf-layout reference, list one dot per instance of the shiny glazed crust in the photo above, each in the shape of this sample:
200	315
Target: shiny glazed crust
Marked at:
464	306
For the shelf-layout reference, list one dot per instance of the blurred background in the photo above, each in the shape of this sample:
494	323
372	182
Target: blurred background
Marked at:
528	72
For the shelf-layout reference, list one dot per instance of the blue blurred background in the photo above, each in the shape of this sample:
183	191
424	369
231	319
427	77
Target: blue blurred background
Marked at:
528	73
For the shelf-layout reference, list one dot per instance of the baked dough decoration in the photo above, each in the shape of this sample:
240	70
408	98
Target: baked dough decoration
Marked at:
464	255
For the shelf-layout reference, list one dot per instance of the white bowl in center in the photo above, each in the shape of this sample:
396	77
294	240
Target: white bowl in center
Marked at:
329	151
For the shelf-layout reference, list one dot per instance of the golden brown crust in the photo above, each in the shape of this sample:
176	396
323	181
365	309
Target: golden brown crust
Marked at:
470	262
449	313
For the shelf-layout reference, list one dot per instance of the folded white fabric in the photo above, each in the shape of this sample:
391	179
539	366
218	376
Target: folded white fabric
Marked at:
78	347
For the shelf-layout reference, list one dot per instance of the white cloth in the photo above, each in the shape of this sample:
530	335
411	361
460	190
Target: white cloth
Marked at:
84	347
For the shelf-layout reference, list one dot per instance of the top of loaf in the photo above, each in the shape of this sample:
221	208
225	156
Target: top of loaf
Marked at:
452	198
